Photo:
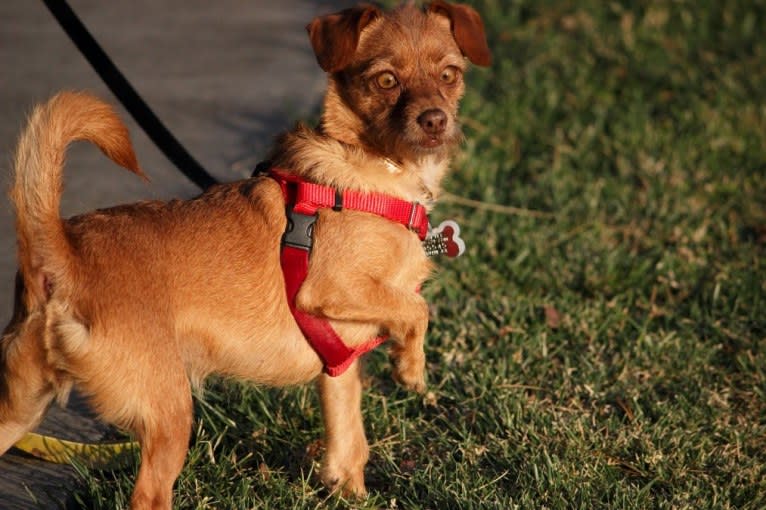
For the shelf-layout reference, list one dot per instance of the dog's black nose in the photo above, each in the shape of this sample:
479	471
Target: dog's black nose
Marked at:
433	121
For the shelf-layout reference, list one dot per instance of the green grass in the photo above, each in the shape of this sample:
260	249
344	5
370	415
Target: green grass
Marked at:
608	353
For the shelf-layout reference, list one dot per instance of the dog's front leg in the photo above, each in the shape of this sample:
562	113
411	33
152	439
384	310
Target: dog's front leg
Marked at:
409	357
347	450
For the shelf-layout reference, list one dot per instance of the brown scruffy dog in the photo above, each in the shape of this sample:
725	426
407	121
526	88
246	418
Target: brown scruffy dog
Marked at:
136	304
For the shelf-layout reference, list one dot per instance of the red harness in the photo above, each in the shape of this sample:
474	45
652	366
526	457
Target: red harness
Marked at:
303	200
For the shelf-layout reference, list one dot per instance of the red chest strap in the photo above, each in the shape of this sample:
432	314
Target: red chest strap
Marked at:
303	200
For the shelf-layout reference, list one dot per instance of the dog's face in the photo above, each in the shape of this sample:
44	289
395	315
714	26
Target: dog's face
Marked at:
397	78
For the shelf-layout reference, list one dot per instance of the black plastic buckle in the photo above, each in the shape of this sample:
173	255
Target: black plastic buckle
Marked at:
299	232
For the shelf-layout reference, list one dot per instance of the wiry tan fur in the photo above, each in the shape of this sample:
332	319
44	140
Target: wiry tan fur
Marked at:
136	304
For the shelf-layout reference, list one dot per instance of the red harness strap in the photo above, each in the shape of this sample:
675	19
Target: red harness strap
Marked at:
303	200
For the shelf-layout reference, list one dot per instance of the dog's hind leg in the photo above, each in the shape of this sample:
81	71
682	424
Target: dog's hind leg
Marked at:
347	450
163	430
133	377
26	387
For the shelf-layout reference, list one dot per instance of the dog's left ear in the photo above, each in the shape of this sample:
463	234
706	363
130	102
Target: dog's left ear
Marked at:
467	29
334	37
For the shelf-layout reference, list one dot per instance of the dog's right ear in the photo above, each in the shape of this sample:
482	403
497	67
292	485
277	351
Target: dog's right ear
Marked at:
334	37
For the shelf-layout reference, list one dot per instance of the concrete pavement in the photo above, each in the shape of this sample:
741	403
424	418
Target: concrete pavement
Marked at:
225	77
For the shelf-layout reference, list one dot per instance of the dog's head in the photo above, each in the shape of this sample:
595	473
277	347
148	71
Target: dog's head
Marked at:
396	77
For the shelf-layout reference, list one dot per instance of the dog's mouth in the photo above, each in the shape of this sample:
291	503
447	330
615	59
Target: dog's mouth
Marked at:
424	143
431	142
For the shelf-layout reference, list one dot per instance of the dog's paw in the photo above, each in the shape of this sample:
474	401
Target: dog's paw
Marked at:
343	483
410	371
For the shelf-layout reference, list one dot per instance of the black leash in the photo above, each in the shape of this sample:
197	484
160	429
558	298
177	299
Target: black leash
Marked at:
127	95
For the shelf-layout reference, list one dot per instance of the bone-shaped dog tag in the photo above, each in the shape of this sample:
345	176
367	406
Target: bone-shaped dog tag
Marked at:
444	240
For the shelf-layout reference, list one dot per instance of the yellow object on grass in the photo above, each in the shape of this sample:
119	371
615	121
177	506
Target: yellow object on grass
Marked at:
93	455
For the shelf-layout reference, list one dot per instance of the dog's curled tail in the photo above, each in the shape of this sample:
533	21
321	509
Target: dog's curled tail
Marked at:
45	255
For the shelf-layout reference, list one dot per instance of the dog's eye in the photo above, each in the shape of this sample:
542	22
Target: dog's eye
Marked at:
449	75
386	80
